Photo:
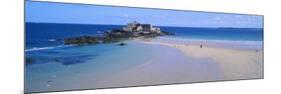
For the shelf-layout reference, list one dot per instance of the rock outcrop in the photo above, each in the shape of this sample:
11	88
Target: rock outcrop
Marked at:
118	35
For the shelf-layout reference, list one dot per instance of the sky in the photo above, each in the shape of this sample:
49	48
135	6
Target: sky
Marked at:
92	14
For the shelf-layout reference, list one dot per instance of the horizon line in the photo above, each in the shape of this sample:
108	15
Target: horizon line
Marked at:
145	23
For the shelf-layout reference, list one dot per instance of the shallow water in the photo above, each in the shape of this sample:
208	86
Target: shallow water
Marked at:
48	65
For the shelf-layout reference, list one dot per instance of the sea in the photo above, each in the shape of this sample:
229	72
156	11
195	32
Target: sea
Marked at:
46	57
49	35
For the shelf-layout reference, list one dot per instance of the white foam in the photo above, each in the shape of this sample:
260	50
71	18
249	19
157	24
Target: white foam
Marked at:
45	48
51	40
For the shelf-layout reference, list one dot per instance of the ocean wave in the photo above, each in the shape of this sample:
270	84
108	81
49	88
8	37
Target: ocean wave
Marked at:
46	48
51	40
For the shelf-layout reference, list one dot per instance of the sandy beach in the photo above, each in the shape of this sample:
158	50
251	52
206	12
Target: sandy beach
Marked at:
234	62
193	64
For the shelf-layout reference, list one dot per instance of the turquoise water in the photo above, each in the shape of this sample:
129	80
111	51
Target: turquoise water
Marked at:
96	60
50	64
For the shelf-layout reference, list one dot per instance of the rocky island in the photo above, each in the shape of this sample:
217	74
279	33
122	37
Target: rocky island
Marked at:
131	30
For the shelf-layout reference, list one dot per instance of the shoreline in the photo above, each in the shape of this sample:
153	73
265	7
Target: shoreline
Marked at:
226	44
236	62
151	62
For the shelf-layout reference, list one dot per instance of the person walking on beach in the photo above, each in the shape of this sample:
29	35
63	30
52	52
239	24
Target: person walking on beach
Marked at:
201	46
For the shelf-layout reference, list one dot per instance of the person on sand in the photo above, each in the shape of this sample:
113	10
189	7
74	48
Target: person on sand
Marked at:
201	46
257	50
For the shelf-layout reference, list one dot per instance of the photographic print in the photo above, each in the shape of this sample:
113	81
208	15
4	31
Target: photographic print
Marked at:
84	46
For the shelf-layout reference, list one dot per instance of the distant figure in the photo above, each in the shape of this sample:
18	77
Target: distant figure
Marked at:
257	50
201	46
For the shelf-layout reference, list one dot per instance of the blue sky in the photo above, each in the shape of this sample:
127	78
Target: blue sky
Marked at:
91	14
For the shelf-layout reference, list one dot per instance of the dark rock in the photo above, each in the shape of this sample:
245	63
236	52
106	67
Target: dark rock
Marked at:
29	60
115	35
122	44
82	40
167	33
